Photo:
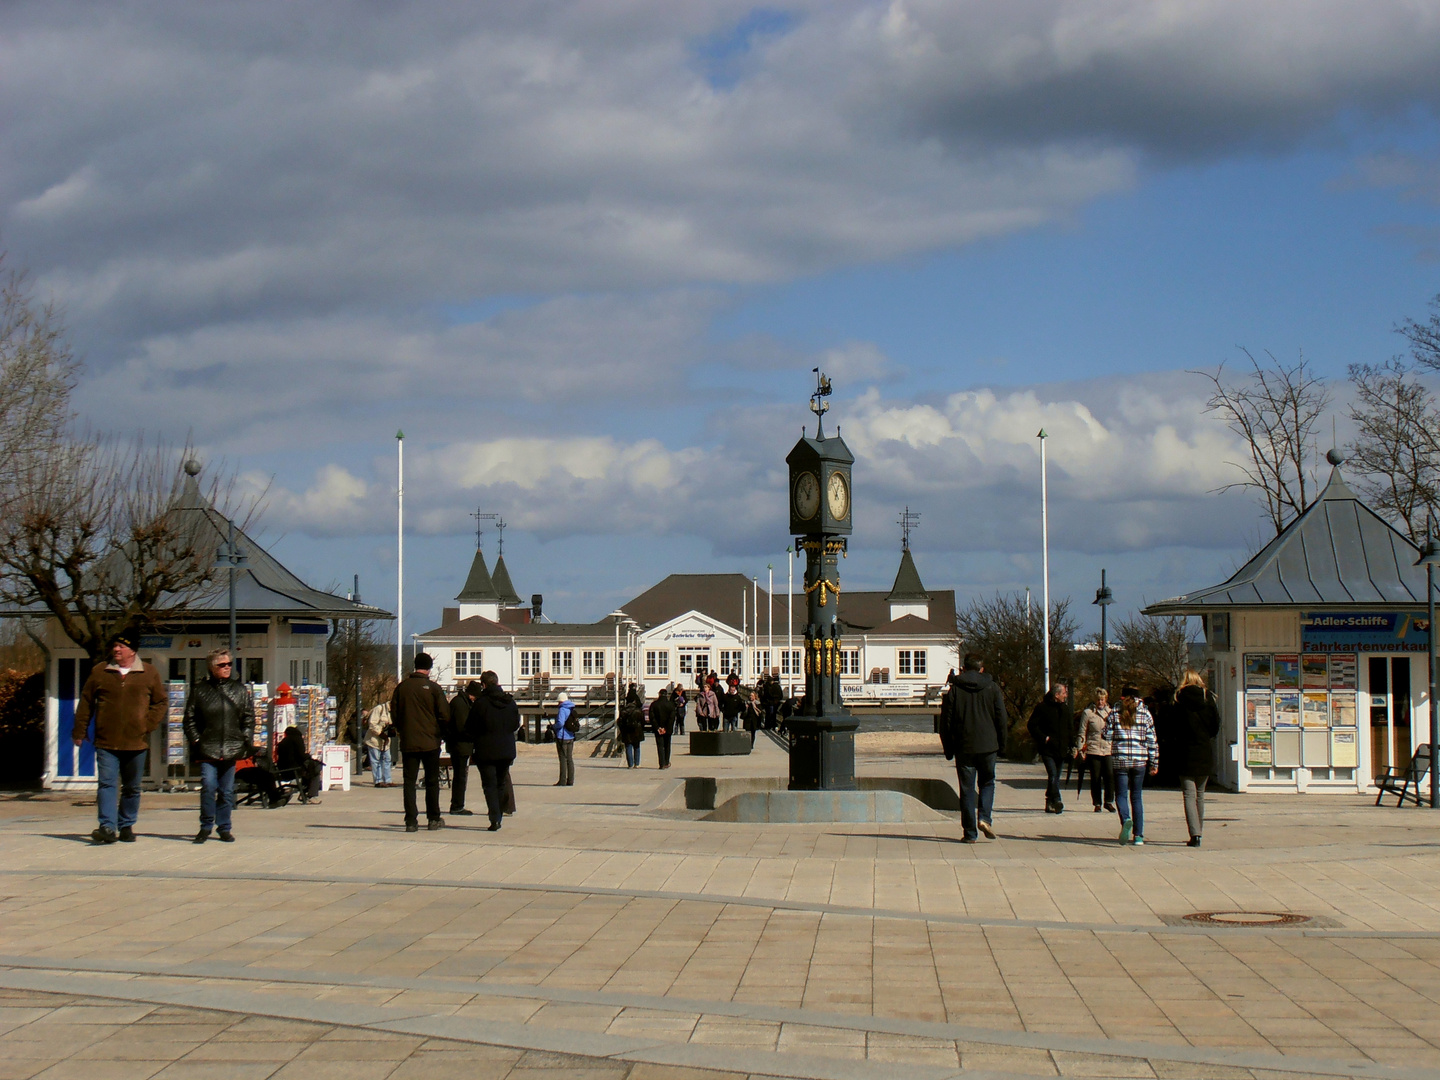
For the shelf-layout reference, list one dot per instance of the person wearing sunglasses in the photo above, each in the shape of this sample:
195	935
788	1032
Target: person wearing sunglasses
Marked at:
220	728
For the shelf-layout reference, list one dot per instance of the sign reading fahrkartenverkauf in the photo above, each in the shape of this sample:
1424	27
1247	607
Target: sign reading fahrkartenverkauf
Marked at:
1364	631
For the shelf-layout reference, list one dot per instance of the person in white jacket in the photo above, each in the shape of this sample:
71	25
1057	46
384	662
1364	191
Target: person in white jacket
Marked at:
377	743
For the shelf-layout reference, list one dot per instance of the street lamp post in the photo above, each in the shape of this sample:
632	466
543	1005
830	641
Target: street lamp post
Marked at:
1430	555
1045	556
1104	597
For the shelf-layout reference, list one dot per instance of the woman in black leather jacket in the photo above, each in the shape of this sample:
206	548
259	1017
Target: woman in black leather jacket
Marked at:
220	728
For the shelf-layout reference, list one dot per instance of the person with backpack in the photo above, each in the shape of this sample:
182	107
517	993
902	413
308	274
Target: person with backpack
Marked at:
1134	753
630	728
662	726
565	728
972	731
1195	719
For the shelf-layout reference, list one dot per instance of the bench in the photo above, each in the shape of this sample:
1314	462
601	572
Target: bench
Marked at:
1406	782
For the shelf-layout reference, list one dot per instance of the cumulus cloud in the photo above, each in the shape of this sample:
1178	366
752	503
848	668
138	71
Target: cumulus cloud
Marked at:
1133	464
167	167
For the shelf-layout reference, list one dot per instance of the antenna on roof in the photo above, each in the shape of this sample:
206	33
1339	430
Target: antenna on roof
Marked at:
499	528
907	521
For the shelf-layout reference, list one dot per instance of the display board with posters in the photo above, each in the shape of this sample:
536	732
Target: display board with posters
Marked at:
175	723
1302	700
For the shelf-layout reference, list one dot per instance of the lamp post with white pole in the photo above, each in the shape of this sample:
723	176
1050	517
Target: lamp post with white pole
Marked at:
1430	555
400	556
770	617
1045	556
1104	598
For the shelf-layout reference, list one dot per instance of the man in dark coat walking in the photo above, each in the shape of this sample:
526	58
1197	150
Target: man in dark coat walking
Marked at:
420	713
973	727
220	728
494	720
460	746
1052	729
662	723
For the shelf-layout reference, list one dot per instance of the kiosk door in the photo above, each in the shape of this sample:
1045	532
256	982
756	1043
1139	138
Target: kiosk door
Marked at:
1389	712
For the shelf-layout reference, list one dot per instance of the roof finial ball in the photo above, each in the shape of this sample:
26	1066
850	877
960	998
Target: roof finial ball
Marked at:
1335	456
192	467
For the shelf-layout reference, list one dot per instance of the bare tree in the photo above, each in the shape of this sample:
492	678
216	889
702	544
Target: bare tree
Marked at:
37	376
1152	651
1424	337
1275	410
1395	448
108	536
1009	637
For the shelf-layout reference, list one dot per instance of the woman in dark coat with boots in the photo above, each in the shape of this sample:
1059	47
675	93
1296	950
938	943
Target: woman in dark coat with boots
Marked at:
1195	722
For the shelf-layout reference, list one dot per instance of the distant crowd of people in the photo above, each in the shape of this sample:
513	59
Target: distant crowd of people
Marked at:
1116	744
126	701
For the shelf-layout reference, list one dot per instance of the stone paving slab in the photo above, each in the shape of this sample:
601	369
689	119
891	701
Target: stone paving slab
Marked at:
591	926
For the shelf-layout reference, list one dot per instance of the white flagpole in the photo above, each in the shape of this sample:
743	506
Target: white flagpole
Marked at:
1045	555
400	557
770	616
790	621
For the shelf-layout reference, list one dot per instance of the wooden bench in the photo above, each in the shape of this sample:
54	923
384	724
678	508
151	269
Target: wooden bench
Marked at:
1406	782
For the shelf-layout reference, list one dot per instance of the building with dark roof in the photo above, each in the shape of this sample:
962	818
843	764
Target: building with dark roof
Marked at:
898	645
1316	650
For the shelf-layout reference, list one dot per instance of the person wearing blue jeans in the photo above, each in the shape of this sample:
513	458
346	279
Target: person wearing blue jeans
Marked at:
1134	752
972	731
379	765
220	728
127	701
117	796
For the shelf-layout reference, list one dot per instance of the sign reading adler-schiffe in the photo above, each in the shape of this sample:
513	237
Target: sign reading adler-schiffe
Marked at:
820	520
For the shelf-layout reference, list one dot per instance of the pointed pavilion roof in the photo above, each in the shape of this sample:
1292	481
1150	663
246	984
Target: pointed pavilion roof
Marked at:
263	586
503	586
908	587
479	588
1338	552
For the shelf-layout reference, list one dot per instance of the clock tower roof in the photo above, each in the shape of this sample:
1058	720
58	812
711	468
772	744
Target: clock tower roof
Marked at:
808	450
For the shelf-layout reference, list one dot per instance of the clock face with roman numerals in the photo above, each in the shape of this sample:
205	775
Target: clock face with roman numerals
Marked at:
837	495
805	496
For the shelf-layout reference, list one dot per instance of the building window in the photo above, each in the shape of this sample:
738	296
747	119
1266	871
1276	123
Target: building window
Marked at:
732	662
792	661
254	669
761	661
468	664
529	663
592	662
657	661
319	672
850	661
562	662
294	672
910	662
694	661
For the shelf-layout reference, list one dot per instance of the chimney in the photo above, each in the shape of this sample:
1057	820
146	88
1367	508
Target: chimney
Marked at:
535	601
449	616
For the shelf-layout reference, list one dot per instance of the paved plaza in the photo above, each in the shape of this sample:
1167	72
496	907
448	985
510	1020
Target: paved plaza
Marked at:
593	936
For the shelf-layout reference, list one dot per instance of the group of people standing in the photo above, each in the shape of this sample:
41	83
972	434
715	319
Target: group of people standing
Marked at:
1117	744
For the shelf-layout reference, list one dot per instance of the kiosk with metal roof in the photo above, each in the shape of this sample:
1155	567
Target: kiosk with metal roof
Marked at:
1317	651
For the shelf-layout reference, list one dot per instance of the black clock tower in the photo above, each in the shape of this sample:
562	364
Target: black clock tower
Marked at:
820	520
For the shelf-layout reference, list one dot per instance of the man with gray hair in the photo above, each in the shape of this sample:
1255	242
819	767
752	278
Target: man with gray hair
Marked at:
220	729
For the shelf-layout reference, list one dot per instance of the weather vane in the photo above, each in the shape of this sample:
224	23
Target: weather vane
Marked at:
499	529
818	405
907	521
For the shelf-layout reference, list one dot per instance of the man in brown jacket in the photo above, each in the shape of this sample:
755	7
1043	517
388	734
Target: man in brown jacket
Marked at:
127	700
421	715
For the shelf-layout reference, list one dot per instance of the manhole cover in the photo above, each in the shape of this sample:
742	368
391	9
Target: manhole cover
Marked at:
1247	918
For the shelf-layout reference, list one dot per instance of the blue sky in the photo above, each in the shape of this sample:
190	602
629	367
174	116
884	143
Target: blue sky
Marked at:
586	257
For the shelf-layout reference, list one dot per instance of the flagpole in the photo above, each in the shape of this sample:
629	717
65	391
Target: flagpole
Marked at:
400	556
790	621
770	617
1045	555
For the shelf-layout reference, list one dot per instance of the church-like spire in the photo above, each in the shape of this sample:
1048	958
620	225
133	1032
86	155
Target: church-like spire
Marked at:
504	588
479	588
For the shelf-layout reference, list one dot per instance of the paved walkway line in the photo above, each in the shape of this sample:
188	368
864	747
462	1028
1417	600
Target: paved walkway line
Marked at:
773	904
150	982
